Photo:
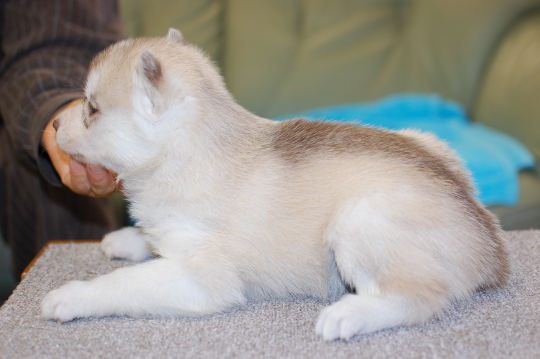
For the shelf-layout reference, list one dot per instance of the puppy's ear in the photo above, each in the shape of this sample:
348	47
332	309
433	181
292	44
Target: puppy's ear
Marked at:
148	97
176	36
151	68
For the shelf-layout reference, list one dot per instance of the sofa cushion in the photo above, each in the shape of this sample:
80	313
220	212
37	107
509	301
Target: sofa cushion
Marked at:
200	21
285	56
509	99
281	56
526	214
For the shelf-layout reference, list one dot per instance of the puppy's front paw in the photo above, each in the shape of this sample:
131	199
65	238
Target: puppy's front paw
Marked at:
126	243
68	302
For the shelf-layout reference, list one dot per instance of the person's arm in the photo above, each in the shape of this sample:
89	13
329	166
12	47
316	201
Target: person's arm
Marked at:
46	50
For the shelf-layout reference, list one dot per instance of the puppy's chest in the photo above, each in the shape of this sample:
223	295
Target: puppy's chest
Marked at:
176	234
205	223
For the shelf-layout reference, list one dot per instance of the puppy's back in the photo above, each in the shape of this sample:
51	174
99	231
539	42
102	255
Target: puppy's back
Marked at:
393	159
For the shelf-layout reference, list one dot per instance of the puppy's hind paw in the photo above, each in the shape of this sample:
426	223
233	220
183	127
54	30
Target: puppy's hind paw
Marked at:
126	243
362	314
337	322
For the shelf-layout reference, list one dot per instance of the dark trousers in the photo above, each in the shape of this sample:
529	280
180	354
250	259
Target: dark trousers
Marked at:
33	212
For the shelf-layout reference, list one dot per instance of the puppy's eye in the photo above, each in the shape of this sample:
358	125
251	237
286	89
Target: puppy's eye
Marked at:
92	109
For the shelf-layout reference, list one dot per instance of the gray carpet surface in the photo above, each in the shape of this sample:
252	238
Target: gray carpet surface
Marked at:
494	323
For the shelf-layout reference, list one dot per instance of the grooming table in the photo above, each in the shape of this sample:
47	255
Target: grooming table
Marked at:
494	323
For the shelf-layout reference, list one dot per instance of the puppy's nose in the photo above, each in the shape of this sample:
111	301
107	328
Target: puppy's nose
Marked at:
56	124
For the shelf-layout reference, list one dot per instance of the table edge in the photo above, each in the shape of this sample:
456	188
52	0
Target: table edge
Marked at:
49	243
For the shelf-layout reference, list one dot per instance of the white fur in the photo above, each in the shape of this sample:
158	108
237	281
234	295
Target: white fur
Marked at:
162	287
366	313
126	243
237	209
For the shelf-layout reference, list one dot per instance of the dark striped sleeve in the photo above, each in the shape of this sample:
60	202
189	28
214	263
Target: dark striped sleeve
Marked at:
46	47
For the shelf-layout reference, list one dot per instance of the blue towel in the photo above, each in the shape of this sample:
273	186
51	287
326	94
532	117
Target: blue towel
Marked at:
493	158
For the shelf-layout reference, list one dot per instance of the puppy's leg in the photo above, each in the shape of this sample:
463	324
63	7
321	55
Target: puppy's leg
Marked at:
126	243
157	287
365	313
387	259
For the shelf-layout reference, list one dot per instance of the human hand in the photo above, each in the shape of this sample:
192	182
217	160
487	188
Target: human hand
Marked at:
85	179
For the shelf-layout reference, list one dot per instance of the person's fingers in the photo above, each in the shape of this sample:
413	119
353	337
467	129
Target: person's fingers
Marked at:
79	178
102	181
60	159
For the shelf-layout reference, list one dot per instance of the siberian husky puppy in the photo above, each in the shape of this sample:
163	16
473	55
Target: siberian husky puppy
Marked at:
236	207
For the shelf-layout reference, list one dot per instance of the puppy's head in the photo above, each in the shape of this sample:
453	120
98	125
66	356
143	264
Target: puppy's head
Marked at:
143	96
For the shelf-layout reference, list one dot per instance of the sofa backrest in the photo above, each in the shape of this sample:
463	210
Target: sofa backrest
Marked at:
281	56
284	56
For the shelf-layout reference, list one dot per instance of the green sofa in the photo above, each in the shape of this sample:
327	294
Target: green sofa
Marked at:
284	56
